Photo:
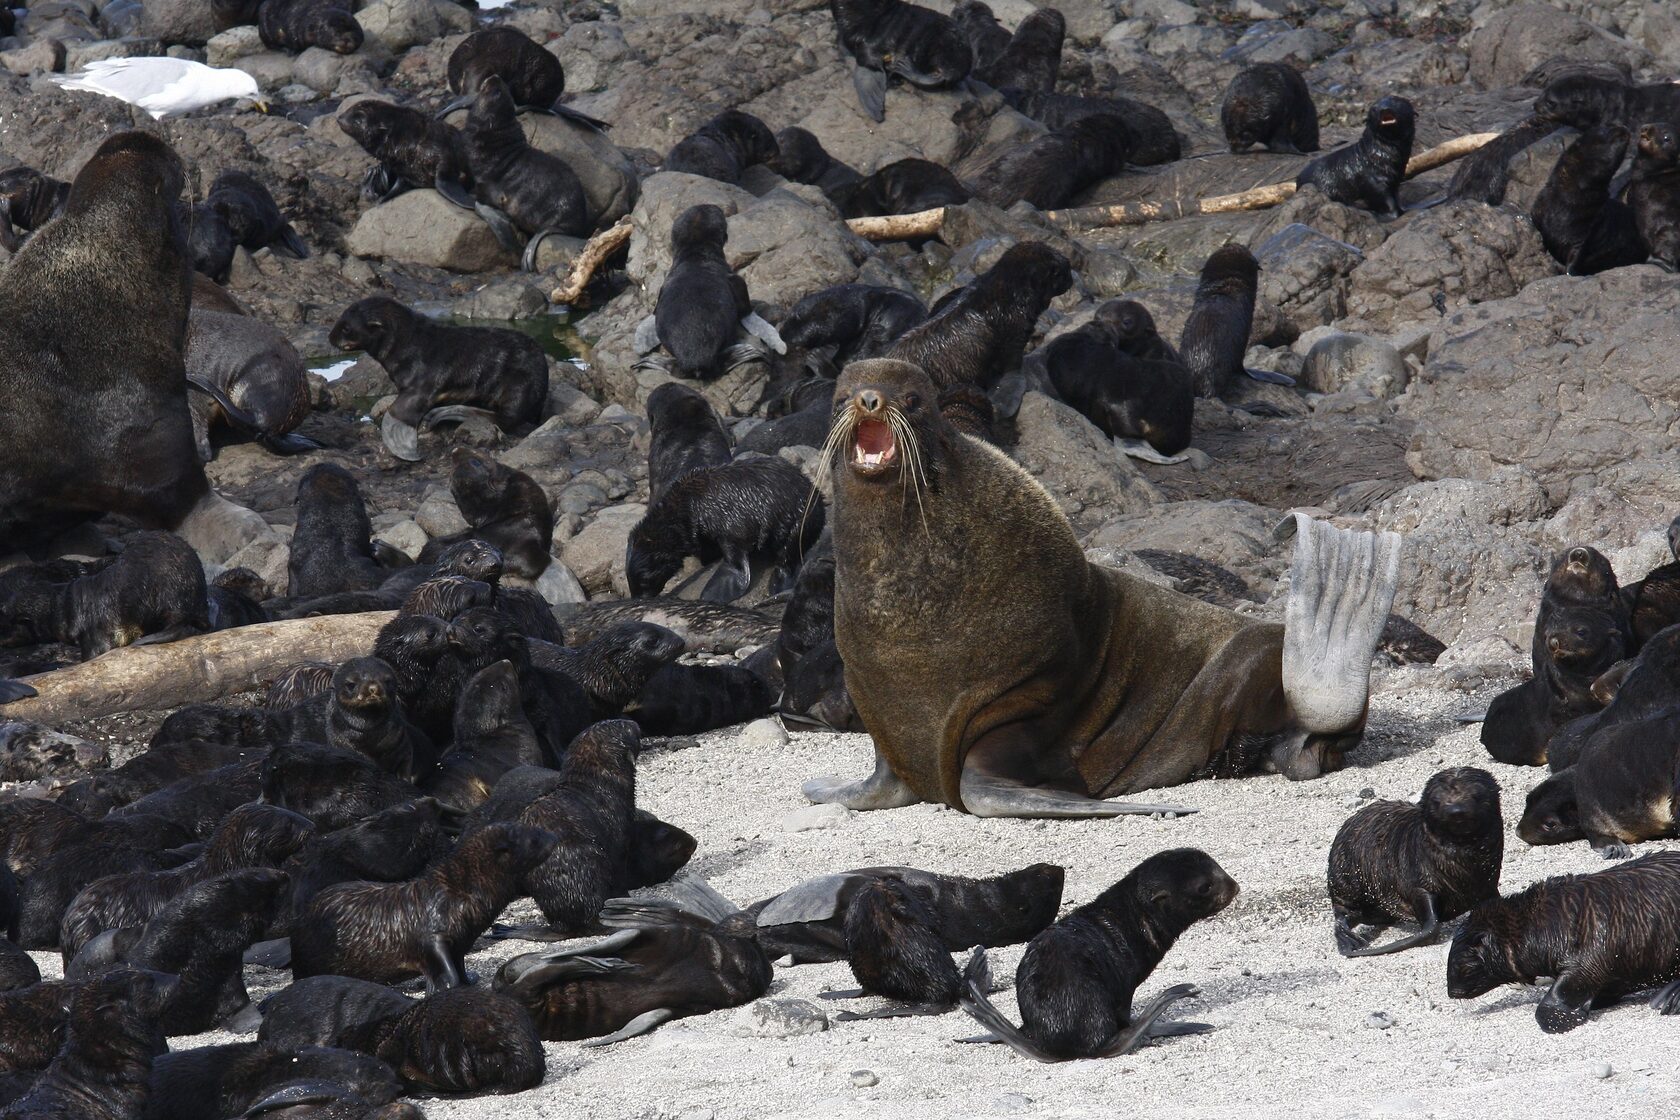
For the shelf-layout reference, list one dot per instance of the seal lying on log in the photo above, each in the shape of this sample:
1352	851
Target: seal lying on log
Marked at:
1002	673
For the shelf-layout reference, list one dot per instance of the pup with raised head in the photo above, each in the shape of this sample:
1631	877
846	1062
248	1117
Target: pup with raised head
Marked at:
504	508
1368	172
1269	104
1152	138
1583	227
686	435
1654	192
987	38
490	368
333	542
1032	57
32	1021
980	333
1216	332
518	186
724	147
362	712
614	666
413	150
1601	937
394	931
1051	170
533	76
492	736
1393	861
754	506
703	304
1076	980
297	25
891	38
248	210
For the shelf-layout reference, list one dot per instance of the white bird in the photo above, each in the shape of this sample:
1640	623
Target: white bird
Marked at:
164	87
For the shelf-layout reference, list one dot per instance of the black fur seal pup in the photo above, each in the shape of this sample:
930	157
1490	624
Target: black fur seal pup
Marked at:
1427	863
1153	139
28	201
894	951
813	676
217	1082
1619	792
1131	400
333	547
800	158
703	627
112	1037
504	508
1589	100
334	788
1654	602
490	368
891	38
492	736
1628	692
534	77
1076	980
1050	170
424	926
249	377
1368	172
201	936
686	436
140	459
1654	192
753	506
1216	332
853	320
987	38
362	712
1269	104
615	665
33	1020
388	846
297	25
17	968
692	699
519	187
1582	226
1601	936
980	333
904	186
1033	56
1134	330
664	962
413	150
703	304
248	210
724	147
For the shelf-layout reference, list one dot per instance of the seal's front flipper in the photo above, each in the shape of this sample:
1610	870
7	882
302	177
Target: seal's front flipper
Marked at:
528	261
1667	1001
986	795
14	690
501	225
454	192
566	112
1177	1030
400	439
289	242
646	338
1425	935
458	414
729	582
881	790
640	1025
759	327
441	969
290	444
1270	377
1341	587
381	183
871	87
247	1020
1138	449
743	354
271	954
462	102
843	993
294	1095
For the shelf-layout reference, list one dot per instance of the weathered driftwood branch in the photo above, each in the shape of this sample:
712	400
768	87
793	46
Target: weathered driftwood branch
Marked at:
595	252
194	670
926	223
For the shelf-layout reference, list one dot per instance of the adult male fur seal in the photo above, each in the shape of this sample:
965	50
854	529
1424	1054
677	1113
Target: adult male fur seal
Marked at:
1002	673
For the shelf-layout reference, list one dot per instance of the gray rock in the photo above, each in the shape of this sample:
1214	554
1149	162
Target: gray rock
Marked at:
1277	41
405	536
78	56
271	69
178	21
1233	535
558	586
438	515
1359	228
1337	360
580	498
327	72
44	56
1305	274
419	227
400	24
596	554
864	1079
511	298
570	405
609	179
1077	464
814	817
228	47
781	1018
1520	37
763	735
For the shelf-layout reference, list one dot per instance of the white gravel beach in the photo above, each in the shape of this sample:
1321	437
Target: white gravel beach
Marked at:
1296	1025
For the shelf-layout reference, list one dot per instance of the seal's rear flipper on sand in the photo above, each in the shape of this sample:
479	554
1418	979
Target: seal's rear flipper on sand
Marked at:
640	1025
1341	587
881	790
1138	449
987	796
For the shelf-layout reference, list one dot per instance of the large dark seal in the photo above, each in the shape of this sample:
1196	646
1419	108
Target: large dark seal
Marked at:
28	201
1654	192
297	25
1031	58
1050	170
534	77
252	379
1032	682
115	257
891	38
1153	139
1076	980
413	150
1601	936
1582	226
724	147
905	186
519	186
980	333
1430	862
490	368
1588	100
1269	104
1130	400
1216	333
1368	172
686	436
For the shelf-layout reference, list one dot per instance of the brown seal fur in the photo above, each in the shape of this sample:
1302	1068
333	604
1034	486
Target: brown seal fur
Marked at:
1031	663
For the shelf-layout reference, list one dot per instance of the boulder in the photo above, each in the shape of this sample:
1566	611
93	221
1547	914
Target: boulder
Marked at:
1232	535
230	46
420	227
1521	37
1077	464
1338	360
399	24
178	21
596	554
44	56
1305	274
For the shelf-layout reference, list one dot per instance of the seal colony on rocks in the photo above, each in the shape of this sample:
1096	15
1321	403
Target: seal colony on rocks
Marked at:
1000	672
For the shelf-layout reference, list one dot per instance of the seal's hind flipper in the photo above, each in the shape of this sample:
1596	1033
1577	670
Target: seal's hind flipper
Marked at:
14	690
462	102
640	1025
456	414
1143	1024
501	225
290	444
760	328
985	795
1177	1030
974	1000
291	243
843	993
454	192
646	338
1341	587
381	183
566	112
1270	377
1138	449
528	259
895	1011
871	87
742	354
814	900
296	1094
440	967
247	1020
729	582
400	439
1471	717
1667	1001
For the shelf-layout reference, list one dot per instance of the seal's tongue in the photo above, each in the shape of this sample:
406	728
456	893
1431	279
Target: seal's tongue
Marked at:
873	444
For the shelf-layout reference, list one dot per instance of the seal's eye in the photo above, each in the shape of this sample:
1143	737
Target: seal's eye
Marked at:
912	400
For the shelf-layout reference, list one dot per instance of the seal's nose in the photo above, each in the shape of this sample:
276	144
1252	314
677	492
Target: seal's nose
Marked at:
870	401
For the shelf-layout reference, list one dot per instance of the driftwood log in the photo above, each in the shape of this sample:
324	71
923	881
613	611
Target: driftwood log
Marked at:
926	223
193	670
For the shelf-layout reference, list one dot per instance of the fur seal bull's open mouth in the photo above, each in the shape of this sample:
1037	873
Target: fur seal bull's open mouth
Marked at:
874	447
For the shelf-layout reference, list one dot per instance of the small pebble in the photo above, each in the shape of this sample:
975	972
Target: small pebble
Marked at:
1381	1020
1602	1070
863	1078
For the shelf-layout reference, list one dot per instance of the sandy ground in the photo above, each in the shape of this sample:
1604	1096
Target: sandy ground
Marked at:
1293	1019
